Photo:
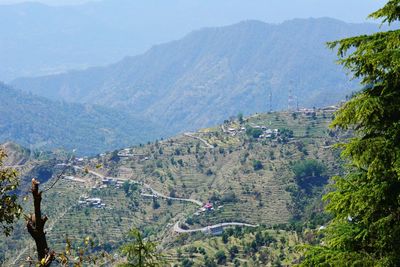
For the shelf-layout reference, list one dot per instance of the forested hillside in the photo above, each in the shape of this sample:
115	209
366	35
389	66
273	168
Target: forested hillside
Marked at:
43	124
215	73
276	164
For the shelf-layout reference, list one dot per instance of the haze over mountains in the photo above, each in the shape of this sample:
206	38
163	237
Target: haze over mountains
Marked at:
214	149
215	73
37	39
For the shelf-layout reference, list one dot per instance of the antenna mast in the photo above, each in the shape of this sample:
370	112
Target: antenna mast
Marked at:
290	98
270	100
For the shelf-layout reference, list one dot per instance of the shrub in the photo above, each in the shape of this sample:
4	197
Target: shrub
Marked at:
220	257
257	165
254	132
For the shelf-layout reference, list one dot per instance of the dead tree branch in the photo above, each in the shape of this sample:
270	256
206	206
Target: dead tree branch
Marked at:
35	225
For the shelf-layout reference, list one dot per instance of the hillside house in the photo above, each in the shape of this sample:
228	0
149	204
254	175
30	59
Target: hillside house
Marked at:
109	181
216	230
208	207
92	202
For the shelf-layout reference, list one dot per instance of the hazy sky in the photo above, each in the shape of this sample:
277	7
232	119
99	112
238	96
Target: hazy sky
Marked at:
31	35
48	2
268	10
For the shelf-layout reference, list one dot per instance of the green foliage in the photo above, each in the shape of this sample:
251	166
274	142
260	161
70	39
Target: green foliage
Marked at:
114	156
240	118
155	204
365	203
307	171
220	256
89	129
187	263
140	253
82	254
253	132
257	165
10	210
240	195
126	186
229	197
225	237
285	133
233	251
209	262
111	88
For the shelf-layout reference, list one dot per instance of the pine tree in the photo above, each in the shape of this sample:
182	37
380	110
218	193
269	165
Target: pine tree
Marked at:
365	203
140	253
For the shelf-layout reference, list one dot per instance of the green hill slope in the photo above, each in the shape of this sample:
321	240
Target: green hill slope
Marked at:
44	124
215	73
246	177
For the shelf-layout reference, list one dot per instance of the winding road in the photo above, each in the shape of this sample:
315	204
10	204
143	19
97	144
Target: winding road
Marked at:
206	229
154	193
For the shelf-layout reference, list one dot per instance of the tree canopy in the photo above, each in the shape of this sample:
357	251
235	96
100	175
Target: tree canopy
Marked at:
365	203
140	253
10	210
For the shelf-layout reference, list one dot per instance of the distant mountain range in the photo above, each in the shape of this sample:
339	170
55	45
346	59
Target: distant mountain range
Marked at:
37	39
215	73
40	123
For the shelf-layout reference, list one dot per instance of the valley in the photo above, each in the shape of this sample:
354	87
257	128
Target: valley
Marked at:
199	133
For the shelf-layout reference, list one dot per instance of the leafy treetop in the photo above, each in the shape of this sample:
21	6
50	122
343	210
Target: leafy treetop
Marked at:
365	203
10	210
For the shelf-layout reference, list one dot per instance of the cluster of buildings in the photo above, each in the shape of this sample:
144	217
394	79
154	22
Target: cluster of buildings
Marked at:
267	133
108	181
80	161
129	153
312	111
207	207
234	132
125	153
92	202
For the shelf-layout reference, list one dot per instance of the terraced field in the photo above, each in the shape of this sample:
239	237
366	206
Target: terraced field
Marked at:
247	179
281	249
185	167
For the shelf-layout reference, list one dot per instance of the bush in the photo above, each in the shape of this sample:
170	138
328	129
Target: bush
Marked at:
187	263
220	257
209	262
257	165
233	251
309	174
156	205
308	168
254	132
240	118
229	197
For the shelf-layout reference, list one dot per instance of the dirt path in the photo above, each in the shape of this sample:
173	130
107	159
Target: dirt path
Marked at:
200	139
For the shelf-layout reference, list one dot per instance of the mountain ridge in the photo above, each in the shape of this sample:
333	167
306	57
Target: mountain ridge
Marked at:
214	73
44	124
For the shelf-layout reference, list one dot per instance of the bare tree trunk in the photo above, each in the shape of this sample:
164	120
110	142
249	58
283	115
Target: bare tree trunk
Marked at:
35	225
